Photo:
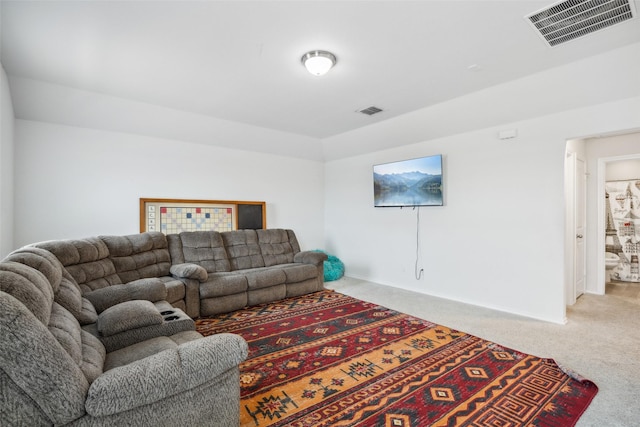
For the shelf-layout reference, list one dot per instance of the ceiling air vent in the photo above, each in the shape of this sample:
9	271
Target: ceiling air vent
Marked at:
570	19
370	111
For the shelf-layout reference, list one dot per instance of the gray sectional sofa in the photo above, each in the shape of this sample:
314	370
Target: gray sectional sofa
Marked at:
100	331
200	272
53	371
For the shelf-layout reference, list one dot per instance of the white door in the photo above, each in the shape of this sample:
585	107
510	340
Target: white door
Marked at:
580	213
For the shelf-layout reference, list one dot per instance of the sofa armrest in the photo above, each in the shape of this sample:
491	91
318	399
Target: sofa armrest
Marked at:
189	271
192	297
146	289
128	315
310	257
164	374
191	275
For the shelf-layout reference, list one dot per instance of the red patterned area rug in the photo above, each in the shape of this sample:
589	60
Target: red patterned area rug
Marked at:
327	359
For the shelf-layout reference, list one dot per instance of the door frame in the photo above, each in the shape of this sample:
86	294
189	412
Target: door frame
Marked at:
580	185
569	177
571	213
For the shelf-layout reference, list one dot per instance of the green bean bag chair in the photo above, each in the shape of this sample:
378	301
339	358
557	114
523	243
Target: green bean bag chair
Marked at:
333	267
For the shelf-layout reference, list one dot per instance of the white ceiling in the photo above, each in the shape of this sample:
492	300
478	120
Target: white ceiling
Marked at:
240	60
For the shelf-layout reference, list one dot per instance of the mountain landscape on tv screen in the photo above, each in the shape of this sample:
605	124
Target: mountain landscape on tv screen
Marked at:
407	189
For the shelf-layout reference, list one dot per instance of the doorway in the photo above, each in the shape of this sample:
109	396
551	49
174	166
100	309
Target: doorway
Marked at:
597	153
624	170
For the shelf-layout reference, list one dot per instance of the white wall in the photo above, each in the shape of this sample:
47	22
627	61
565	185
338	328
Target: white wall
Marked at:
45	102
598	79
603	151
499	240
75	182
6	166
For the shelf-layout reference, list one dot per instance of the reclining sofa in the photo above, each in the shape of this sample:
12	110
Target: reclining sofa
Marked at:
235	269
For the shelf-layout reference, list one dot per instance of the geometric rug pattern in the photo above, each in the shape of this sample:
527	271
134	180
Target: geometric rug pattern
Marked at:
327	359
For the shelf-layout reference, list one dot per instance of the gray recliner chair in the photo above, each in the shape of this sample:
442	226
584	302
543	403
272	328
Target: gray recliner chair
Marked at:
54	372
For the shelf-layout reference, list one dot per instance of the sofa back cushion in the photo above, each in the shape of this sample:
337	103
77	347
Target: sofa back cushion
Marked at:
204	248
43	349
86	351
243	249
66	291
43	261
26	275
86	260
36	363
29	286
139	256
277	246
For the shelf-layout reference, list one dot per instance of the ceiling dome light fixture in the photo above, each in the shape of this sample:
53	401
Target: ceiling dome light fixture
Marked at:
318	62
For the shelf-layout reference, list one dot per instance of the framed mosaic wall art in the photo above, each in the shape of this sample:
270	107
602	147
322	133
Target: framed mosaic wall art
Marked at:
172	216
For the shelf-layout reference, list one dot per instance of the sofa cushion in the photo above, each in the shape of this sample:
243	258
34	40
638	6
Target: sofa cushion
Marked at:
69	297
203	248
185	336
45	372
265	277
28	286
128	315
139	256
66	291
175	289
42	260
85	350
66	329
93	356
88	314
275	246
189	270
268	294
299	272
243	249
223	304
147	348
221	284
144	289
87	260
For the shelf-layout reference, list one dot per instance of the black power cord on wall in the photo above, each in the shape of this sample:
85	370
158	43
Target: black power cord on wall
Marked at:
418	274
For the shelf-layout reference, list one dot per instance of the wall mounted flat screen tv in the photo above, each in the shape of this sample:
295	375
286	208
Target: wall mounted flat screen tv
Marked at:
414	182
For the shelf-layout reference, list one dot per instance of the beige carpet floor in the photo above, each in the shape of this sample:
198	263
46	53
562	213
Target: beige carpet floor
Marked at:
601	340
